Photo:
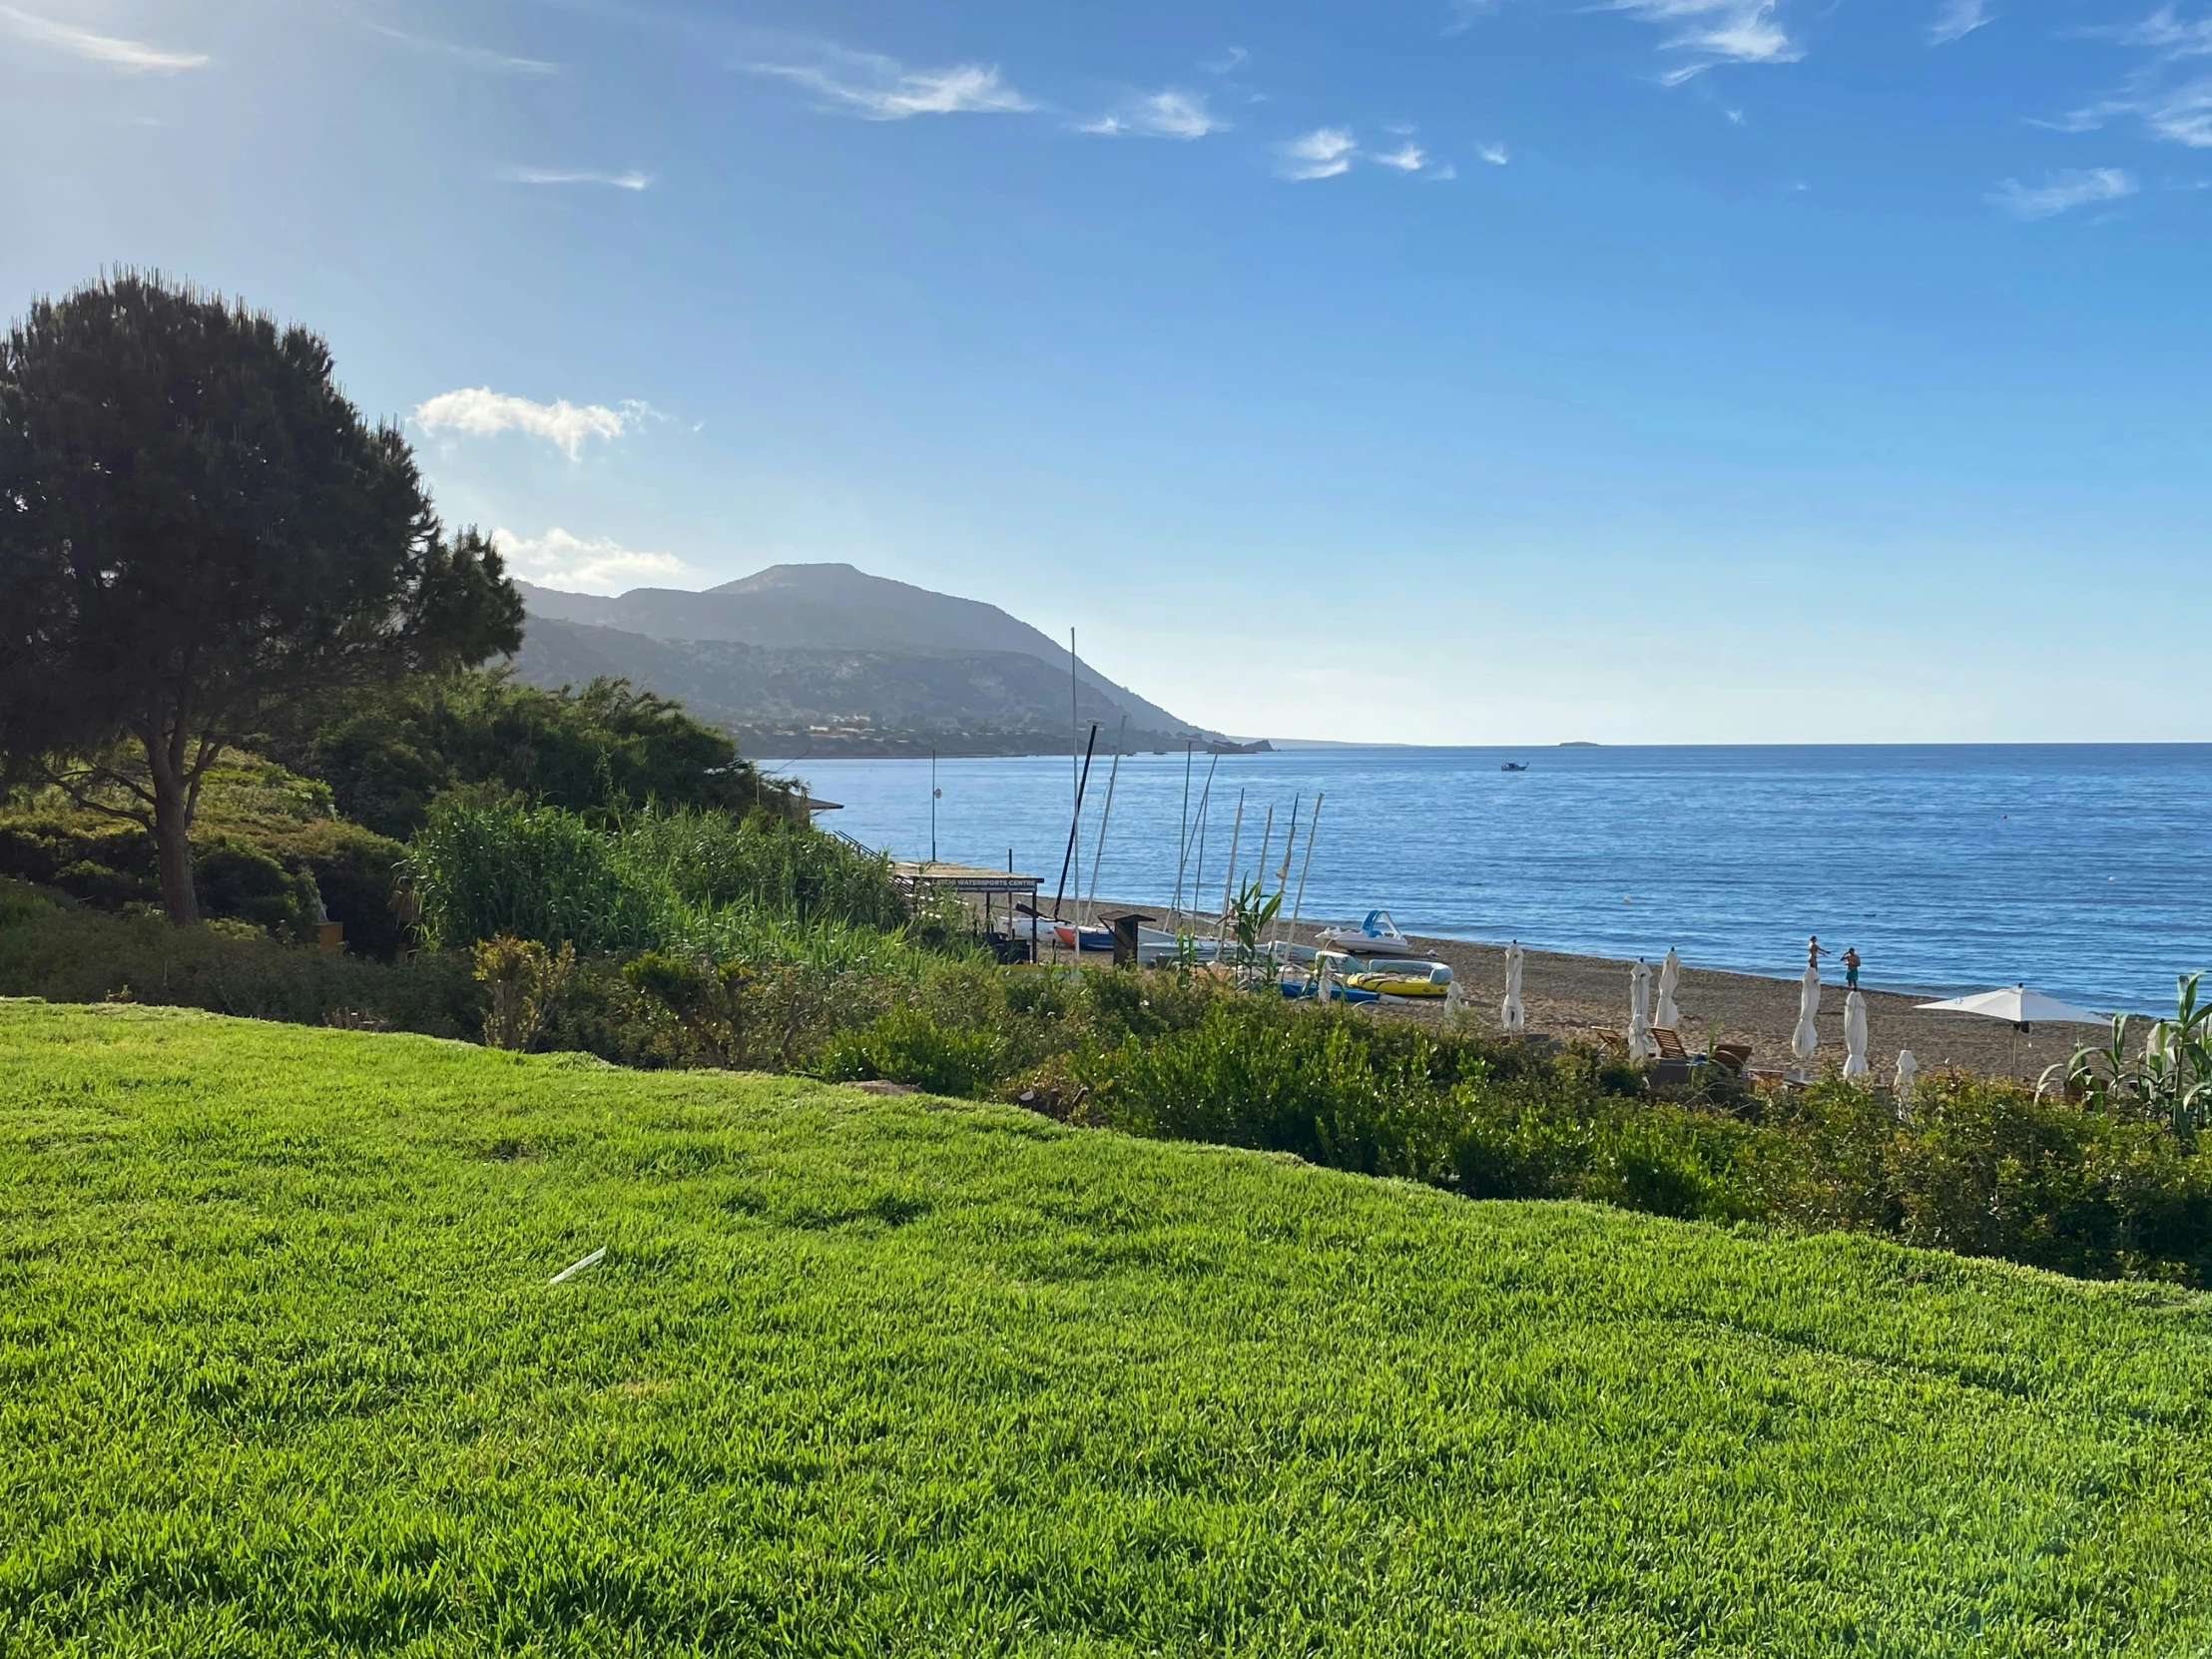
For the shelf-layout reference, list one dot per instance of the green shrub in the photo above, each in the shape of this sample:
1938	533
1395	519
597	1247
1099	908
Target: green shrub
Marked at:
482	868
909	1045
387	753
82	955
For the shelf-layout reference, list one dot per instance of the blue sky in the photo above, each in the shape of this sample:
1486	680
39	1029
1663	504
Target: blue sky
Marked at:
1675	370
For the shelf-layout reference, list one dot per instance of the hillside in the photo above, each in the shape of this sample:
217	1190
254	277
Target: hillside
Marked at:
896	1376
828	657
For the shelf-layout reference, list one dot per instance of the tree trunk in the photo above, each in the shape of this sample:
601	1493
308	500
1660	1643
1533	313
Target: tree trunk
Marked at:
172	835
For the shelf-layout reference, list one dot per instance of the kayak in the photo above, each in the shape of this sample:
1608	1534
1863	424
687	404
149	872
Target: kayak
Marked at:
1391	982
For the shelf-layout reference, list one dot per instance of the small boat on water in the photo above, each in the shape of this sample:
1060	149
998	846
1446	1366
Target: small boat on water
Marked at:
1514	766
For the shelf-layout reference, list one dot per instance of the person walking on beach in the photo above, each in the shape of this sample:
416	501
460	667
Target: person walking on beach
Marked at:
1851	967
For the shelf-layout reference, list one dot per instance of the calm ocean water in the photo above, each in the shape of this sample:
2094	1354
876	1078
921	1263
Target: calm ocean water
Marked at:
2083	869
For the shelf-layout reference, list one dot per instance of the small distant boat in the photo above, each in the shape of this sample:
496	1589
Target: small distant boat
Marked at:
1514	766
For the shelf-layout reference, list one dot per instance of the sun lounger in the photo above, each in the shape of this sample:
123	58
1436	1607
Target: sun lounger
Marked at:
1669	1042
1735	1057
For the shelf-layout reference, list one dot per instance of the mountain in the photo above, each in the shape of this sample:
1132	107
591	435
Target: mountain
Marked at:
832	660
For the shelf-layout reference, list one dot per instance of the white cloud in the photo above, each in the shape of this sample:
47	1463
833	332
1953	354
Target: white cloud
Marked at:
478	412
1322	154
477	57
1229	62
582	565
2165	33
1957	20
130	56
633	180
878	88
2064	190
2179	115
1495	154
1406	159
1714	31
1167	114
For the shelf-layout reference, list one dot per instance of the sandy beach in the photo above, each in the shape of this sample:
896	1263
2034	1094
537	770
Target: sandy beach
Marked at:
1563	995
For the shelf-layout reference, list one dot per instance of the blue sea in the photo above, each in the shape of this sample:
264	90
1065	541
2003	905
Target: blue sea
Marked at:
2083	869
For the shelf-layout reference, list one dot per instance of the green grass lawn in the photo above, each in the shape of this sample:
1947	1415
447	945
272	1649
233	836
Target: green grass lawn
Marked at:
280	1373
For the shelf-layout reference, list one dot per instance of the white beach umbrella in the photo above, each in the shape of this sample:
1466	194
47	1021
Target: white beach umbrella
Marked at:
1908	1071
2016	1005
1325	982
1855	1036
1509	1012
1805	1042
1452	1000
1670	981
2019	1008
1639	1010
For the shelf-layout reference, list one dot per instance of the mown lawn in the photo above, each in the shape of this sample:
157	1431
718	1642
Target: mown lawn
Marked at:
280	1373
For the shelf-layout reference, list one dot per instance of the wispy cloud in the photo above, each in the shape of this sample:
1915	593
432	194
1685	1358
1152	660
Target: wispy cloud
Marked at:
594	564
1495	154
2166	33
1169	114
475	57
632	180
2176	111
1228	63
1957	20
134	57
2179	114
1323	153
1714	31
1329	151
2063	192
478	412
878	88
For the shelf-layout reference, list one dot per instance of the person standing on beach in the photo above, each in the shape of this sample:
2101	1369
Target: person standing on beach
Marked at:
1851	967
1814	952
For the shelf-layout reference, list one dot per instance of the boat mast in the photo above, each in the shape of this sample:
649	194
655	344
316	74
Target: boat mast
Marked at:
1198	860
1078	774
1075	822
1182	842
1098	858
1221	923
1299	908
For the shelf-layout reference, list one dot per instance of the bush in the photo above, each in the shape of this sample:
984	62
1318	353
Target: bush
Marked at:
388	753
266	845
479	868
81	955
909	1045
755	890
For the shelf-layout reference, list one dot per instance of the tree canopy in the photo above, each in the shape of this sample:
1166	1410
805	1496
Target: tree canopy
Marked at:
197	529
